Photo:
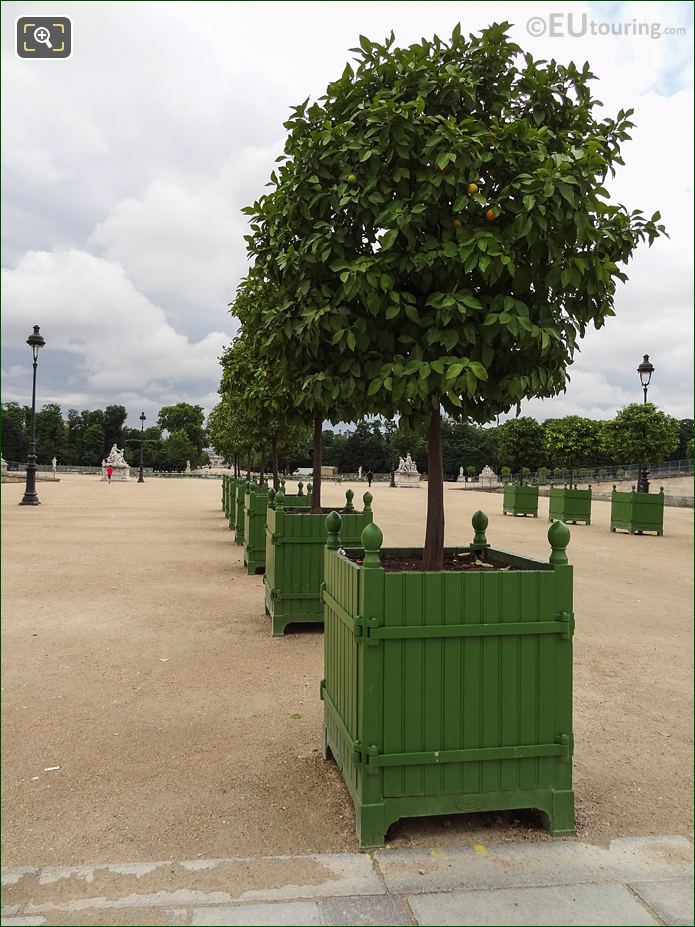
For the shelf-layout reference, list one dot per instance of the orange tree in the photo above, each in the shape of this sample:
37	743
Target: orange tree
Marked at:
441	236
256	391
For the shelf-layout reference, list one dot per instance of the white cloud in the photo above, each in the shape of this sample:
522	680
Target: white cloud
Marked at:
115	339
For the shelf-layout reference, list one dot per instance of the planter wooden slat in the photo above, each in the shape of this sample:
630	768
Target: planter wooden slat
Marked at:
570	505
637	512
449	692
256	501
295	541
520	500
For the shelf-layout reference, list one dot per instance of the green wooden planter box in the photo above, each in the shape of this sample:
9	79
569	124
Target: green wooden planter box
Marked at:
637	512
570	505
230	500
449	692
225	487
295	542
238	505
256	501
255	506
520	500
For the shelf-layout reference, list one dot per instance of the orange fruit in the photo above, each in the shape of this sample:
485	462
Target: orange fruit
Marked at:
352	178
472	188
490	215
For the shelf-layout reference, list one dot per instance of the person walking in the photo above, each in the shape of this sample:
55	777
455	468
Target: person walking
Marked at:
370	477
109	472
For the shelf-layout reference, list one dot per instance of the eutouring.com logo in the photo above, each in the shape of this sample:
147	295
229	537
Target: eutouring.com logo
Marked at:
578	25
44	37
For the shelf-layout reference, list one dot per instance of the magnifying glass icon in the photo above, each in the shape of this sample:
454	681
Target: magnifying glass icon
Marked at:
43	36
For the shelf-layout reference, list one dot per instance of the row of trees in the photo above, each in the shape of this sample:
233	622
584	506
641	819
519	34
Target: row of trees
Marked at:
437	238
637	432
84	438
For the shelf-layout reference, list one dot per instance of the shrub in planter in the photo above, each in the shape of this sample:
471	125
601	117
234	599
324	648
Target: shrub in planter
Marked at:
448	691
637	512
506	474
570	505
520	500
295	540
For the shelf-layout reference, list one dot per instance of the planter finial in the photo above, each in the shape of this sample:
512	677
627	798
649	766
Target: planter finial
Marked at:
367	499
480	523
559	537
372	539
333	523
349	496
280	500
300	489
271	496
309	489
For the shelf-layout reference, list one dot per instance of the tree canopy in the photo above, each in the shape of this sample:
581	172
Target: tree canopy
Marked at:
641	432
572	441
439	234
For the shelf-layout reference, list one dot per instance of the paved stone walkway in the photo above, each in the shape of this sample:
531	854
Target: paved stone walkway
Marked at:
645	880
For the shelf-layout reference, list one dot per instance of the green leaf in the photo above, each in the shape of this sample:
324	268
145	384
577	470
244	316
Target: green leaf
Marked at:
388	238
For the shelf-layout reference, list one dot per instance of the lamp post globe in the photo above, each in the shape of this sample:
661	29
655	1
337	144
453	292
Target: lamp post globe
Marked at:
141	476
35	341
645	371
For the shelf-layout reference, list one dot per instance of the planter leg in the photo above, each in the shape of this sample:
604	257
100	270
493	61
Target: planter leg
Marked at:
327	752
559	820
279	625
370	826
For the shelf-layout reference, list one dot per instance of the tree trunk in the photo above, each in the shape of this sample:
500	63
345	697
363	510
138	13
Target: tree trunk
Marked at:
433	556
316	482
262	469
571	473
276	475
248	469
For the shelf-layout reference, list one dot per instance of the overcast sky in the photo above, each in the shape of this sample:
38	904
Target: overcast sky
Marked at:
125	169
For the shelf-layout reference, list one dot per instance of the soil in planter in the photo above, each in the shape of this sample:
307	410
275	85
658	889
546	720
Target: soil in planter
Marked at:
462	563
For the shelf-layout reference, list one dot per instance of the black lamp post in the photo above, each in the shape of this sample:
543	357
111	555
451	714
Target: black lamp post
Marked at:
645	371
141	476
35	341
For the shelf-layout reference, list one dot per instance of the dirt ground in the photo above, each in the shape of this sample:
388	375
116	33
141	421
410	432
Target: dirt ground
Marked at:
137	657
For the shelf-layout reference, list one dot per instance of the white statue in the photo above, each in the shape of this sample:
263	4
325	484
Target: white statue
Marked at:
54	464
488	478
407	473
188	466
359	473
116	458
120	467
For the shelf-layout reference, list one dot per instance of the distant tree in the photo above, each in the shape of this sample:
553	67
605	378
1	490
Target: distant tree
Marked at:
14	431
572	442
188	418
178	449
519	443
464	445
641	433
114	419
50	433
685	435
92	450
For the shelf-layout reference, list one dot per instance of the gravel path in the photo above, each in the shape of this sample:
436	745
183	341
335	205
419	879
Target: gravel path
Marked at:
138	659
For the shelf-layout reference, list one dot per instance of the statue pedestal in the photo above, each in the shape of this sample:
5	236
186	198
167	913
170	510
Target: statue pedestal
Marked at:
407	479
460	478
121	473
